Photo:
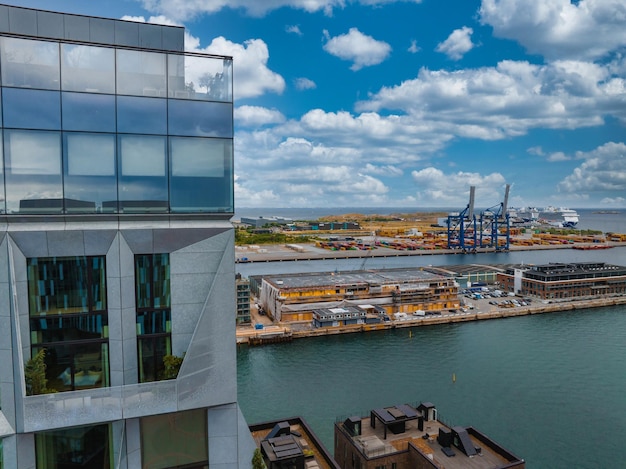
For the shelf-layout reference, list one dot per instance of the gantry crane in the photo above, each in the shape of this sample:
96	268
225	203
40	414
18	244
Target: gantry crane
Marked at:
462	227
494	220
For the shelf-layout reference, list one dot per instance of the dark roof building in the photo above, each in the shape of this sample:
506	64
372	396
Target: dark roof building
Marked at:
559	281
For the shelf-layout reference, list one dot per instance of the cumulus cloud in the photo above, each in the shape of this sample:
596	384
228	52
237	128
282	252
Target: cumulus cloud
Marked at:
360	49
161	19
252	77
458	43
613	201
584	29
603	170
509	99
249	116
186	9
434	187
304	84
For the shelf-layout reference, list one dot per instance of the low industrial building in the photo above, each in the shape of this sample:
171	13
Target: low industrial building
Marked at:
559	281
411	436
295	297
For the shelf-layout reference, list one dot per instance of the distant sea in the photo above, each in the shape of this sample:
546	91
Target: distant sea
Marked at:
601	219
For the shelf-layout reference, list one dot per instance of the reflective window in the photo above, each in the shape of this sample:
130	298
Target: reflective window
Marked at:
141	115
75	447
175	440
202	175
200	119
31	109
88	68
152	299
202	78
68	319
90	180
33	171
142	174
88	112
2	193
65	285
141	73
29	64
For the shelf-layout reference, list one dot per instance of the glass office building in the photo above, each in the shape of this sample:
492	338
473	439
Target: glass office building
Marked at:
116	248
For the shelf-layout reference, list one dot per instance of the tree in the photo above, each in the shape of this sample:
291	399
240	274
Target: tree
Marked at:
35	375
257	460
172	366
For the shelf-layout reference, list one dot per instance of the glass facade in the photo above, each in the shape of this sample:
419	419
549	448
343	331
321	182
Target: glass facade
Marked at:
175	441
74	447
92	129
154	325
68	318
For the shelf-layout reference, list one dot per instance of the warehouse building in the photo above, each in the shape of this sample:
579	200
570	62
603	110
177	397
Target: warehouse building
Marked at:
294	297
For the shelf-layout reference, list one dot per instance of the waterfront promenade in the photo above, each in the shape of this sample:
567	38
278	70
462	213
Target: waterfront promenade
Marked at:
482	311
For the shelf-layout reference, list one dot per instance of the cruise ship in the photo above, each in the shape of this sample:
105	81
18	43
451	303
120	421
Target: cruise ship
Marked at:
561	217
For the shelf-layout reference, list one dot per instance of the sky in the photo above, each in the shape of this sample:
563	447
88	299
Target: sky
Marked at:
408	103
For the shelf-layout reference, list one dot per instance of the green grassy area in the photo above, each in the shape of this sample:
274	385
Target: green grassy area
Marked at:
245	236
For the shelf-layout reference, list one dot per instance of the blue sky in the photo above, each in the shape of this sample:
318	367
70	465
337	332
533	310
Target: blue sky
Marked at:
407	103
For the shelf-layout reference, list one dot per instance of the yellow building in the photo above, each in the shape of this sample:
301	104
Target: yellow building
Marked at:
293	297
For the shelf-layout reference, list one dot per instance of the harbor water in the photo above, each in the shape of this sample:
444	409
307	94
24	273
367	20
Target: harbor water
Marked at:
548	387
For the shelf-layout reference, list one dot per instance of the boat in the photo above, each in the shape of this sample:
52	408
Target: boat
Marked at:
592	247
561	217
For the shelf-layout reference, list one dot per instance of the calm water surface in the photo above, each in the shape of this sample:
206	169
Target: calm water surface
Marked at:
551	388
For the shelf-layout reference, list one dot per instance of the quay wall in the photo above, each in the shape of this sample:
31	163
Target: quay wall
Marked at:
452	318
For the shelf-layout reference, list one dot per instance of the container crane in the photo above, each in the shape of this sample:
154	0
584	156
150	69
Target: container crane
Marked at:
462	227
493	220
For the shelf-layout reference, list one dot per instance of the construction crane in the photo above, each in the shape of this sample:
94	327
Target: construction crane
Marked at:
494	220
462	227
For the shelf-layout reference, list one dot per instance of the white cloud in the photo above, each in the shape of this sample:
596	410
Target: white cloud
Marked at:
304	84
557	156
458	43
252	77
383	170
584	29
161	19
294	29
507	100
414	48
618	201
358	48
187	9
603	170
434	187
249	116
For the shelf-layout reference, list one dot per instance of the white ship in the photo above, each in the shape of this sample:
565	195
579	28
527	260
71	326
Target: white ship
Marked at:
562	217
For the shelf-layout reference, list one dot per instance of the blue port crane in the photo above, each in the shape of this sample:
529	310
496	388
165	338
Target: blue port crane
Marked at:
462	227
495	221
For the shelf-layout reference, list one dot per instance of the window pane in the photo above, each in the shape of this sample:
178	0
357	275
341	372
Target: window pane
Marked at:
74	447
29	64
200	78
174	440
152	281
151	353
60	285
200	119
87	68
60	328
201	175
88	112
31	109
90	173
143	179
33	171
140	73
141	115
